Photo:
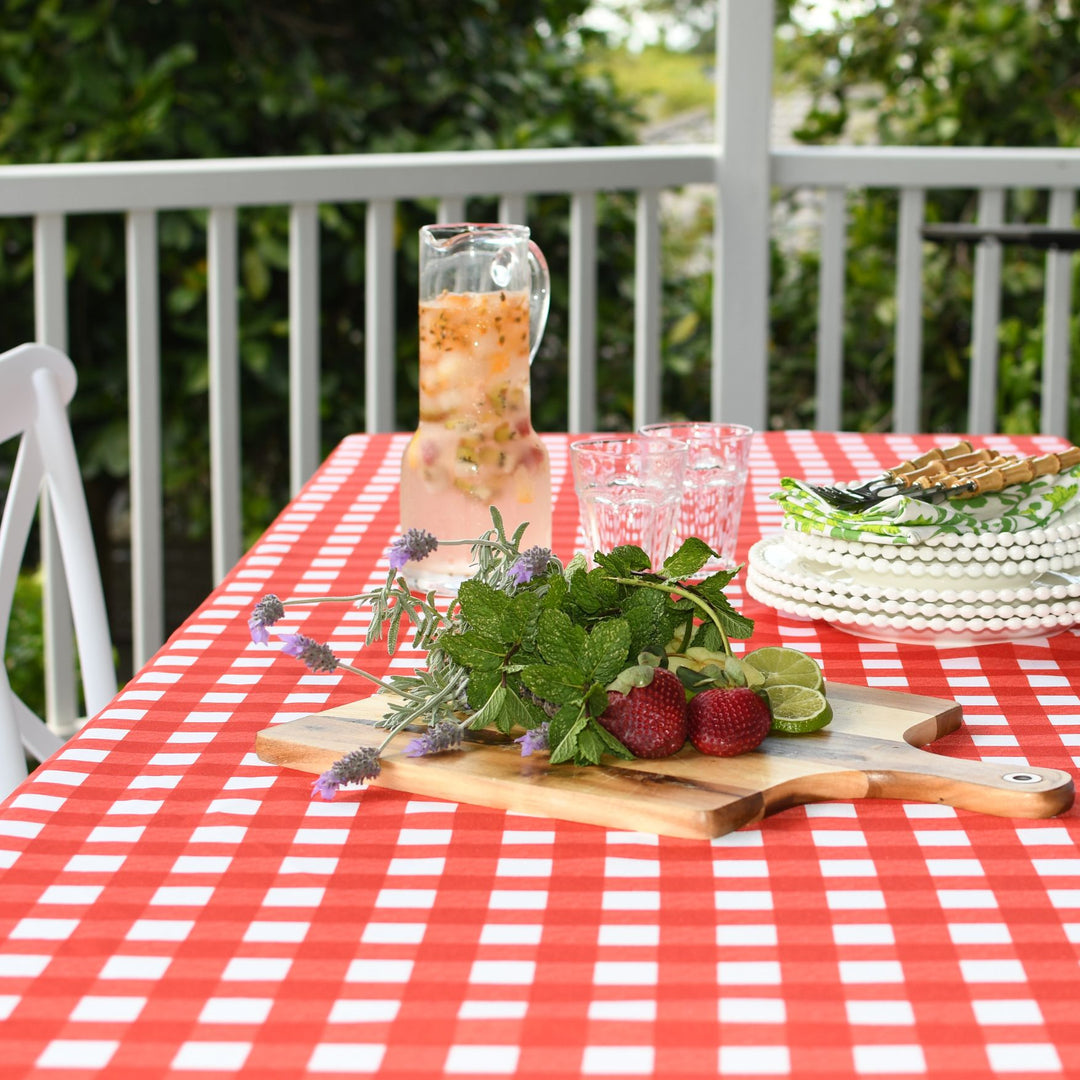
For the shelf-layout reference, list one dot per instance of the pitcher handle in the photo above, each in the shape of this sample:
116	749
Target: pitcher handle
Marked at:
539	298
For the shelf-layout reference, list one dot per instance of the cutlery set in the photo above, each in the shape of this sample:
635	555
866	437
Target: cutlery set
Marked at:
953	472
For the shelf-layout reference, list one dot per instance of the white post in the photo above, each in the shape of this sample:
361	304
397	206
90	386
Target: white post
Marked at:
144	424
744	62
50	327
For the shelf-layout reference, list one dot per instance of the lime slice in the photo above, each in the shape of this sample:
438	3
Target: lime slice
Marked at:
797	709
785	667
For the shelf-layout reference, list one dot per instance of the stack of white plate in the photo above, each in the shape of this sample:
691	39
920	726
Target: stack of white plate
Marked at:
968	587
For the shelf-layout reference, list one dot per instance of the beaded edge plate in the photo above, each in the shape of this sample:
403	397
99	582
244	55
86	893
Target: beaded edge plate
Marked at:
1034	607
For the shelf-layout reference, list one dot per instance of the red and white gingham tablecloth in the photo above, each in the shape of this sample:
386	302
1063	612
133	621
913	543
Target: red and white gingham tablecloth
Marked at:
171	906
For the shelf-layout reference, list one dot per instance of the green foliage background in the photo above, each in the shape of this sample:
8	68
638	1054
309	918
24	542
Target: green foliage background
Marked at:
981	73
114	80
100	80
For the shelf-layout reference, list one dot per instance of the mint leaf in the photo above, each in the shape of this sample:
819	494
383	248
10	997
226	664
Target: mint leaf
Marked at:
491	709
623	561
596	699
518	623
483	607
590	747
593	592
651	618
557	683
692	555
474	650
554	595
611	744
563	732
481	686
559	640
607	650
734	624
712	587
707	637
515	713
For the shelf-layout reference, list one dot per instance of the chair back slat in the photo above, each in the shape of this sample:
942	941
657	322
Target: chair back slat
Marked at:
36	384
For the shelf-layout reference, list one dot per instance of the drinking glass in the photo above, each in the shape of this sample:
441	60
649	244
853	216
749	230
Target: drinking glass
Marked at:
714	483
629	488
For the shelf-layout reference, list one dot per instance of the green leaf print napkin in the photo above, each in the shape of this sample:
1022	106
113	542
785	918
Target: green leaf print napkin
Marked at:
900	520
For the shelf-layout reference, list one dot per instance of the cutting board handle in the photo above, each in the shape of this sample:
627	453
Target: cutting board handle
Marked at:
1005	789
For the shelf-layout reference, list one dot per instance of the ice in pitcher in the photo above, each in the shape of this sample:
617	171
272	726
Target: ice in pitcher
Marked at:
475	446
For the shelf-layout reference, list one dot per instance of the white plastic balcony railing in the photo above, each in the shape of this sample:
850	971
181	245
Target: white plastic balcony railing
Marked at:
740	168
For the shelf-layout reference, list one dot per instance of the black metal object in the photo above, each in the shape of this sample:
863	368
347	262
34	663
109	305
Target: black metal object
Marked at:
1043	237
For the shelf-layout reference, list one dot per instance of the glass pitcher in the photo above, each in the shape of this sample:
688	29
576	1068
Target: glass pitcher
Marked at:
484	299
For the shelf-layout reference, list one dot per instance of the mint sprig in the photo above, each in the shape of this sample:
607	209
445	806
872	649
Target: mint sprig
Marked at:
553	646
532	650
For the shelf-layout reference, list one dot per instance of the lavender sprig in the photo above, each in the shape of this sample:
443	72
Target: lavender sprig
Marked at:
414	545
530	564
441	736
534	740
355	767
437	695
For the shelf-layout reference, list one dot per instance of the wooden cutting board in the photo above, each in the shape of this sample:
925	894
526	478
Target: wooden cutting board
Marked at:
868	751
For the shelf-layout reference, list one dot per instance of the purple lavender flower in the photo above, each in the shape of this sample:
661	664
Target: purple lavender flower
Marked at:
529	564
415	544
354	767
534	740
440	736
319	658
267	612
326	786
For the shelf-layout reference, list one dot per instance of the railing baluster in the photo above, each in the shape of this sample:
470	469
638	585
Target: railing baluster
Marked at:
1054	412
740	324
647	257
144	421
582	329
380	359
225	487
828	386
985	317
451	210
907	403
512	210
304	358
50	327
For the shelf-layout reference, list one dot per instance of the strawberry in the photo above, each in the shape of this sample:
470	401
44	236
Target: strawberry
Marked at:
727	720
649	720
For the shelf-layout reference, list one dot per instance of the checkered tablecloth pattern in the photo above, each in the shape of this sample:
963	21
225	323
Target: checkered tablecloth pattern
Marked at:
170	906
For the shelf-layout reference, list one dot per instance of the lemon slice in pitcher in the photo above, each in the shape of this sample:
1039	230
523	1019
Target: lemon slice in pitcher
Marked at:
781	666
797	710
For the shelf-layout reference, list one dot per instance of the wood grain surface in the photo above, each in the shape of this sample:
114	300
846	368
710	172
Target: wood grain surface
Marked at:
868	751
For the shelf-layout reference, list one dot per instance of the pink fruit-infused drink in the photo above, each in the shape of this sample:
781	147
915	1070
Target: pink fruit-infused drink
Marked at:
475	447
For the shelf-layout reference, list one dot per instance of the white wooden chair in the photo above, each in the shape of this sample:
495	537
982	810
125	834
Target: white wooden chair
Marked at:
36	383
